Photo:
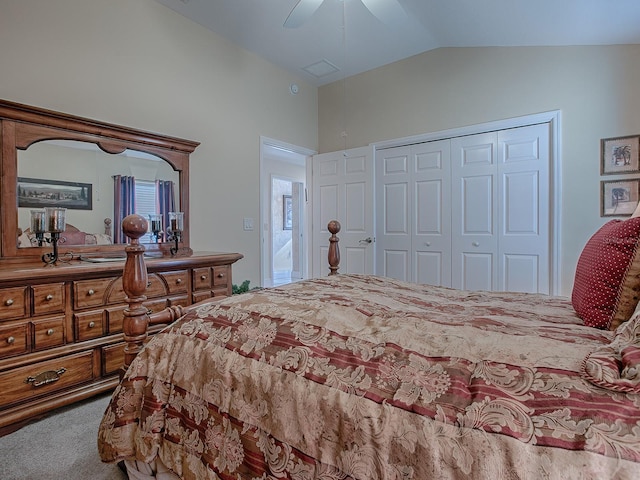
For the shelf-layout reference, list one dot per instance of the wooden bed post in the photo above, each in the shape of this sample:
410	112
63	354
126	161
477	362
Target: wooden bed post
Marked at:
334	251
137	317
134	284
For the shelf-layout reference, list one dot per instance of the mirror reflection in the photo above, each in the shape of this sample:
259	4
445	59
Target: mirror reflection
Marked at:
93	185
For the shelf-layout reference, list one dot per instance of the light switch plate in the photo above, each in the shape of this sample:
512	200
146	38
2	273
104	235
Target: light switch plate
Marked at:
247	224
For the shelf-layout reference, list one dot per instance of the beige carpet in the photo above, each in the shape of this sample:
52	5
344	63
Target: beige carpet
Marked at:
59	446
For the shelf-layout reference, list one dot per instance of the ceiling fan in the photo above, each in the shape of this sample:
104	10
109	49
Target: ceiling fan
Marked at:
387	11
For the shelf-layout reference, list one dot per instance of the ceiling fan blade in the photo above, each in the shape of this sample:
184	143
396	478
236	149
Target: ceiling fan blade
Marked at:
301	12
389	12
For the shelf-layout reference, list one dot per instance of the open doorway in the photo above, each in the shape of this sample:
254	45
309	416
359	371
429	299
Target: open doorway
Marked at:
286	238
283	235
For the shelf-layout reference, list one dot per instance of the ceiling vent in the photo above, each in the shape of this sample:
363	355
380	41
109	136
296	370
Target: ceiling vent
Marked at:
321	68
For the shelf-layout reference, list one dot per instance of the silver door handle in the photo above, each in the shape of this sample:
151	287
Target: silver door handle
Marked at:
366	240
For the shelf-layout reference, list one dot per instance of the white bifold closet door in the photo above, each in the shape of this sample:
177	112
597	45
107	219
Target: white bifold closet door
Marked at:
470	212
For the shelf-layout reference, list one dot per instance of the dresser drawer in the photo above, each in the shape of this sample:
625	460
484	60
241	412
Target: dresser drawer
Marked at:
177	282
48	332
182	300
91	293
115	315
13	303
112	358
14	340
89	325
48	298
201	278
221	276
45	377
199	296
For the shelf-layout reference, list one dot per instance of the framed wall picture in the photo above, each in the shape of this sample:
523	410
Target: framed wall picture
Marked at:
40	193
287	213
619	197
620	155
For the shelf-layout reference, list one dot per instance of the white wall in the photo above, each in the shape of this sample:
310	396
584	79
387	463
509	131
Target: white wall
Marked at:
139	64
596	88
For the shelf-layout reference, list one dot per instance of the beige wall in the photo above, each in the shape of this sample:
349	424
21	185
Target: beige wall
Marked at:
596	89
139	64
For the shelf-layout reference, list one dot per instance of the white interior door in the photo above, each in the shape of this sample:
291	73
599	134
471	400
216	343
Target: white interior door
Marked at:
342	190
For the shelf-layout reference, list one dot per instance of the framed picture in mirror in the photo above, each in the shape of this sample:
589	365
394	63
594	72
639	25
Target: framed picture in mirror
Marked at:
287	213
40	193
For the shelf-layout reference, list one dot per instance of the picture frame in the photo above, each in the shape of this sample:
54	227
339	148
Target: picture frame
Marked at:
40	193
619	197
287	212
620	155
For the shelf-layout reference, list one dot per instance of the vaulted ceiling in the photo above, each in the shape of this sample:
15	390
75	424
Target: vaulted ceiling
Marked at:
322	51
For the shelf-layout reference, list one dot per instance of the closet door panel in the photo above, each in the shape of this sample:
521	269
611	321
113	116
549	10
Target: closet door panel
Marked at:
523	166
393	213
431	226
474	212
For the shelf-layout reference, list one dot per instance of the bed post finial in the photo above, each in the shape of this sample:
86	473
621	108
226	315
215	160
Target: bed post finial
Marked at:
334	251
134	284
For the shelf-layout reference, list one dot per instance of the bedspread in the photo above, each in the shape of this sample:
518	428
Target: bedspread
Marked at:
362	377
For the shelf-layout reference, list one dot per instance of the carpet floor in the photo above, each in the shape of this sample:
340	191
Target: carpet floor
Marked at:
62	445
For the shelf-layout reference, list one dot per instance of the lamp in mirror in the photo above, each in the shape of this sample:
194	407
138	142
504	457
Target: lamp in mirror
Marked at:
155	222
38	225
176	226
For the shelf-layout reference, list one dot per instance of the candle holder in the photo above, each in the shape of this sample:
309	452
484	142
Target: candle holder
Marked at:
155	222
176	226
54	223
38	225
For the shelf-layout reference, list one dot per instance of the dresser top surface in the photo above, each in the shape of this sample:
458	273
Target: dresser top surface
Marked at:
12	273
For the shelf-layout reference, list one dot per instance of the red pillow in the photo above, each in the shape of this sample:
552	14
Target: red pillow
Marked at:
72	238
606	288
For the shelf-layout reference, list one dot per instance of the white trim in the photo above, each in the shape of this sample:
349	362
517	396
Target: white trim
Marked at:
553	118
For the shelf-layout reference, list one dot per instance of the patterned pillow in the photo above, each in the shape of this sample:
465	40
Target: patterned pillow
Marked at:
606	287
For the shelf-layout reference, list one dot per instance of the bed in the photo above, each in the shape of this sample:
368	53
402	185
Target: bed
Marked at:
363	377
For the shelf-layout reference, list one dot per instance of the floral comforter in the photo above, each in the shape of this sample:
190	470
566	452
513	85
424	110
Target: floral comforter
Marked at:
361	377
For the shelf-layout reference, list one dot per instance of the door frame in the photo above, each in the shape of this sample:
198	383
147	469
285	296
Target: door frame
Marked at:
287	149
554	119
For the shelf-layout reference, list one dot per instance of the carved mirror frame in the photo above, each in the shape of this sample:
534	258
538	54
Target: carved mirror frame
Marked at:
23	125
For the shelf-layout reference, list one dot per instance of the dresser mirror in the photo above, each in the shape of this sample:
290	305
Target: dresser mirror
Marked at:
47	156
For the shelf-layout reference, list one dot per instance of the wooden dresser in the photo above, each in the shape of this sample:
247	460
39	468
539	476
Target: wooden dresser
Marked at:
61	326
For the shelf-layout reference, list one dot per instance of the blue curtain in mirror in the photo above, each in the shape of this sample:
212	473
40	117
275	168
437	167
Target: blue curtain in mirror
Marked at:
166	202
124	199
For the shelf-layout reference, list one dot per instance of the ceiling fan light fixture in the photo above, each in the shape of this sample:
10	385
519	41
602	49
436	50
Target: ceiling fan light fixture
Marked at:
301	12
389	12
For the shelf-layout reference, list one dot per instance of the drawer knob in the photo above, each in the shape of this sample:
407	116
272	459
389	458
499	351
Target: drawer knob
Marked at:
50	331
9	302
178	281
45	378
220	275
48	298
203	277
91	291
11	340
92	324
